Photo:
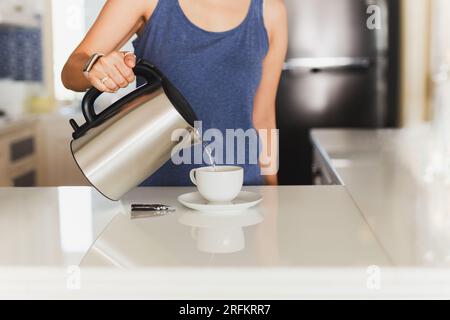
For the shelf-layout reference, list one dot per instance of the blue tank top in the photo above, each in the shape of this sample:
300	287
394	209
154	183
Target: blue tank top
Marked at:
217	72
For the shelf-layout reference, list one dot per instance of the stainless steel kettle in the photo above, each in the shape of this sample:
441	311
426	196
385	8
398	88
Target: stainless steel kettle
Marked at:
126	143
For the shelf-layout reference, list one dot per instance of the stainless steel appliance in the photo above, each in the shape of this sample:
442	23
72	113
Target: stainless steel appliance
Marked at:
127	142
340	72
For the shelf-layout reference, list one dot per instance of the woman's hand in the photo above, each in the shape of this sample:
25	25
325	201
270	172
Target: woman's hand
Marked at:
113	71
110	32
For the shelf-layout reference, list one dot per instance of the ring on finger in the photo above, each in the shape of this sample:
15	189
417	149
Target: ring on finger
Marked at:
103	81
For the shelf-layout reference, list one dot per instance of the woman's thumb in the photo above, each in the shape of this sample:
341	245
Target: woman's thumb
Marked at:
130	59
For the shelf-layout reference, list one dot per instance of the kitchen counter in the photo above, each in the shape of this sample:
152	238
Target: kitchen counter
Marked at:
293	227
382	233
50	227
7	124
300	242
397	182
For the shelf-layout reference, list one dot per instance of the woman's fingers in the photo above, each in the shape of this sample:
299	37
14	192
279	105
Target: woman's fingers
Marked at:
102	81
125	70
97	83
113	71
109	67
125	73
110	84
130	59
107	75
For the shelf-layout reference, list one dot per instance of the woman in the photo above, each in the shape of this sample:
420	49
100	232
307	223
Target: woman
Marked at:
225	57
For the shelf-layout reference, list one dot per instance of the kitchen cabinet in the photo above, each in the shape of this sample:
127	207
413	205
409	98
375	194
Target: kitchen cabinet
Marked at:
35	151
18	156
3	164
57	165
322	169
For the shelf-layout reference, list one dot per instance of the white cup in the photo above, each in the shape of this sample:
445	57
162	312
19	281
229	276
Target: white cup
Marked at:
221	184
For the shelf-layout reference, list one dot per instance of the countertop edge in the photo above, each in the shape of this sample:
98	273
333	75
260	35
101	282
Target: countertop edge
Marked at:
254	283
326	158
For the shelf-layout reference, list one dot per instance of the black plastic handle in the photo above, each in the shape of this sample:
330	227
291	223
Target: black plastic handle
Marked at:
143	69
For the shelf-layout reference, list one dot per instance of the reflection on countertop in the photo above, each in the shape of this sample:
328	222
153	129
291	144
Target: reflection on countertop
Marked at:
220	233
292	227
50	226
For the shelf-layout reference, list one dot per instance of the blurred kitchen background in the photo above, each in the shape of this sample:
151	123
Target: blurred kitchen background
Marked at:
366	64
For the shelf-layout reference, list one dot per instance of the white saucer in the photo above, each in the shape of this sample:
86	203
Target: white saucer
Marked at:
244	200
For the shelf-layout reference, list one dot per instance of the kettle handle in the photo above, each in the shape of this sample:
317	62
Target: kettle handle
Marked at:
142	68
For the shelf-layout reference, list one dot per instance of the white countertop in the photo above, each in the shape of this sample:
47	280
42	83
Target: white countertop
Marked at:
293	227
301	242
387	172
51	227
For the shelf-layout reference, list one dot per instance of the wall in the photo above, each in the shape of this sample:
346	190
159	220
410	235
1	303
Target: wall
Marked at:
440	54
440	71
415	48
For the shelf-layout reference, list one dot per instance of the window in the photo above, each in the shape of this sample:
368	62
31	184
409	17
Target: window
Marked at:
68	29
70	21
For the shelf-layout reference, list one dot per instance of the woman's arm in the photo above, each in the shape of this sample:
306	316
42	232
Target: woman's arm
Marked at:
264	114
116	24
